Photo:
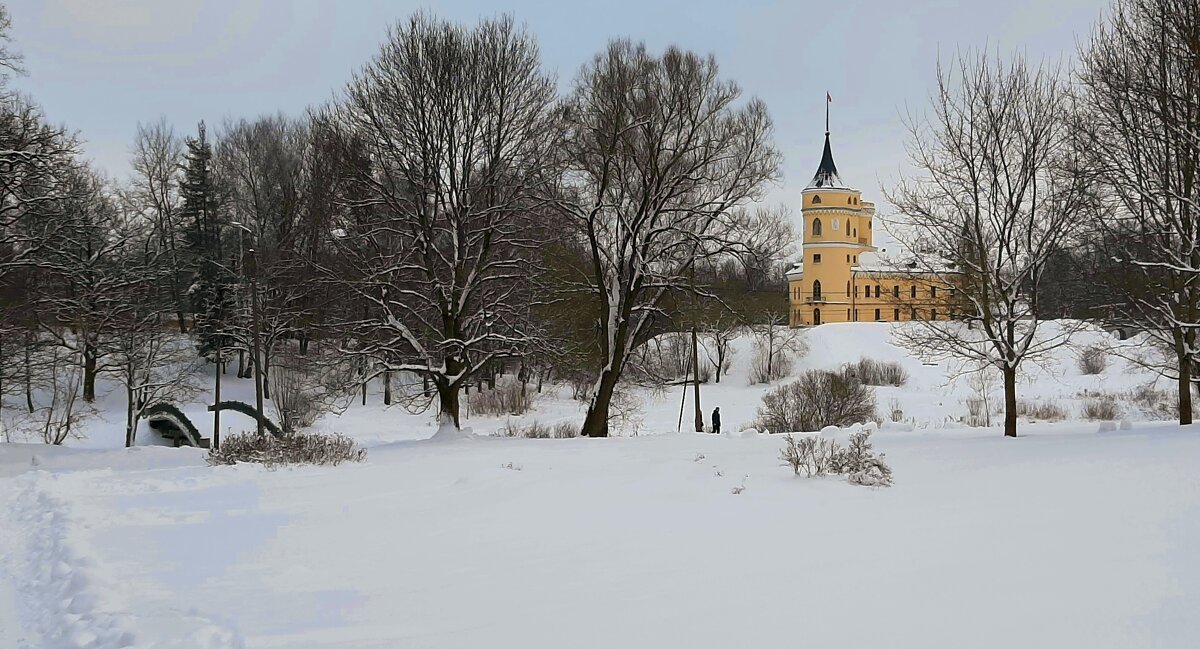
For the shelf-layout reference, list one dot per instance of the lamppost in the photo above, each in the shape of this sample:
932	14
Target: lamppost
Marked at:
254	354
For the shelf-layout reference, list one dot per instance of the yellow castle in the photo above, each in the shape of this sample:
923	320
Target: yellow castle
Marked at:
842	277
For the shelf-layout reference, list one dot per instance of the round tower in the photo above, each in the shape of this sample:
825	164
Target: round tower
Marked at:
837	229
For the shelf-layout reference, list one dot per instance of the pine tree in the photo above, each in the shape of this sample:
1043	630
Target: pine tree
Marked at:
211	292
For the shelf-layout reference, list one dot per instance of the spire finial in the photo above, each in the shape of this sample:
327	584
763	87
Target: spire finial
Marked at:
828	100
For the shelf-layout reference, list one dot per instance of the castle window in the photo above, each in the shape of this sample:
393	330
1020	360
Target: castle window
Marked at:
847	314
816	289
816	258
816	200
913	315
847	259
847	291
816	227
877	318
933	292
876	290
896	314
933	314
913	293
896	292
856	259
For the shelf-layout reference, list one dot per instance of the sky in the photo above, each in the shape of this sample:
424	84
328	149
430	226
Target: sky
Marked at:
102	66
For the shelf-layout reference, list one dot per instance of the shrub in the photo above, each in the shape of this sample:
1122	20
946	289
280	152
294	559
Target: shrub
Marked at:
895	412
295	448
292	398
538	430
1093	360
977	413
816	400
509	397
1041	410
765	369
818	456
869	371
1102	407
1156	404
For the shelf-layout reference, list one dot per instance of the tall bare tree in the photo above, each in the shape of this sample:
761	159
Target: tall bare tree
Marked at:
992	198
1139	120
154	192
457	125
659	155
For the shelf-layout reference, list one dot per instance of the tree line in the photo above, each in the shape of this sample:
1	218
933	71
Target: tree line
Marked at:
1065	193
448	216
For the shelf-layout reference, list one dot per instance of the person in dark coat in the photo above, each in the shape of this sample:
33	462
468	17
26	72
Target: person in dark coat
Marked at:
716	420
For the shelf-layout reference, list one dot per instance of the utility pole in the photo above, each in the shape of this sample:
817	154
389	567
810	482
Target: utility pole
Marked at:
258	386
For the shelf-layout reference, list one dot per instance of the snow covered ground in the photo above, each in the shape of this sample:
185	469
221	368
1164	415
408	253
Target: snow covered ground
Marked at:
1065	537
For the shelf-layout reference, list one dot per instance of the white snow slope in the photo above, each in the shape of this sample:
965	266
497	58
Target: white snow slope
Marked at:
1064	537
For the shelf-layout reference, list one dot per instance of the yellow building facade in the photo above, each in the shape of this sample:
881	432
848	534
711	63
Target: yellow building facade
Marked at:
832	284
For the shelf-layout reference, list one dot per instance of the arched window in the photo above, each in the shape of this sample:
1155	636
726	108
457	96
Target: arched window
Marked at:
816	200
816	289
816	227
816	316
896	291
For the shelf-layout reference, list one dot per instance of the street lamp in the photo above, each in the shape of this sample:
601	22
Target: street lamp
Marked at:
255	359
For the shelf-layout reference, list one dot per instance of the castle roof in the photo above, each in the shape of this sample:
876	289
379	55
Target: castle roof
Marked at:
827	173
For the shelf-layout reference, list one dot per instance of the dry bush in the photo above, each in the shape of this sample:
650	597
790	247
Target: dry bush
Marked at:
1102	407
816	400
1156	404
1093	360
895	412
765	370
1041	410
295	448
811	453
977	413
292	398
538	430
857	461
869	371
509	397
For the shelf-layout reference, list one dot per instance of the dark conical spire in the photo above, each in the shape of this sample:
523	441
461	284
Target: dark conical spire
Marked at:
827	173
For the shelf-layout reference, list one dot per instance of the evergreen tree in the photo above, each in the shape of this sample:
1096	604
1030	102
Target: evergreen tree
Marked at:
211	292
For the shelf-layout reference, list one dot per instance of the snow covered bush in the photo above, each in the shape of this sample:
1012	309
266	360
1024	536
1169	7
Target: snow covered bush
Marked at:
869	371
1102	407
818	456
775	344
1093	360
816	400
292	398
509	397
765	368
295	448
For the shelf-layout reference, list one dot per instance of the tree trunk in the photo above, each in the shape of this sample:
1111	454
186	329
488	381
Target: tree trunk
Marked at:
129	416
89	372
242	373
28	374
696	381
387	387
1010	401
448	401
596	422
1185	393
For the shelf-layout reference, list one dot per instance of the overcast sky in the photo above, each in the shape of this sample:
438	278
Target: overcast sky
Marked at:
102	66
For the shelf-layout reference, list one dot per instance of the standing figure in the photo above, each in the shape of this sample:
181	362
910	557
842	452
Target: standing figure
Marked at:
716	419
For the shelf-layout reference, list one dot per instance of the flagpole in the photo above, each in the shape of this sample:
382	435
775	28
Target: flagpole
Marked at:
827	100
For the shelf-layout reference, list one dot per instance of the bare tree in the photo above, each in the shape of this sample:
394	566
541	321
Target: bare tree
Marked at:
154	192
992	198
659	155
1139	120
456	126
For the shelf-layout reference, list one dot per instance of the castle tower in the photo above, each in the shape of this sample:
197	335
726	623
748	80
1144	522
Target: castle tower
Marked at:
837	229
